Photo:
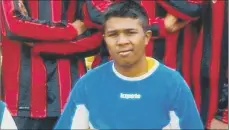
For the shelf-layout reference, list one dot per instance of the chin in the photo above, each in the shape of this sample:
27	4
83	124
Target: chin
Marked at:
126	64
124	61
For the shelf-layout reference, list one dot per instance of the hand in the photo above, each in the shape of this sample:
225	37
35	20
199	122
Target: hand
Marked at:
22	8
172	24
79	26
218	125
30	44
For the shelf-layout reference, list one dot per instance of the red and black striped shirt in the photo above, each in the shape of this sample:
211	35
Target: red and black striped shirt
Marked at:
37	80
210	59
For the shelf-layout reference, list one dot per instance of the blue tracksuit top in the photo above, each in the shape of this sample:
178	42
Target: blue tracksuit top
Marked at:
105	99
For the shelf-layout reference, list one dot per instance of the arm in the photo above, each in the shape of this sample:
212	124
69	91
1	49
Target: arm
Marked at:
19	26
93	17
75	115
181	13
93	12
183	104
183	9
157	27
88	45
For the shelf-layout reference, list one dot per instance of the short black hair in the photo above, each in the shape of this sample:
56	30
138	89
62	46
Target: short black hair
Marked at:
127	9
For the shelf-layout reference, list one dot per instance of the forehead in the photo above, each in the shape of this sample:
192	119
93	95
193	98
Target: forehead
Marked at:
117	23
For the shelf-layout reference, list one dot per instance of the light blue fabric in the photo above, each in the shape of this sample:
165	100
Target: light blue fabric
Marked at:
115	103
2	109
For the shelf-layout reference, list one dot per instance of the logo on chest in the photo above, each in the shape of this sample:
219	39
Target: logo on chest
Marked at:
130	96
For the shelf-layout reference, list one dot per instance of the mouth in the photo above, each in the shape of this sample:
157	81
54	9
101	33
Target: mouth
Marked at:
125	53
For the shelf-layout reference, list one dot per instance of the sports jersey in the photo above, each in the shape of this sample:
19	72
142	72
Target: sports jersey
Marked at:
176	49
38	80
106	99
210	59
6	120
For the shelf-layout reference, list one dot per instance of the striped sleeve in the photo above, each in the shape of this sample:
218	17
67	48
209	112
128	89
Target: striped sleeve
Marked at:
18	26
93	12
75	115
86	46
183	9
157	27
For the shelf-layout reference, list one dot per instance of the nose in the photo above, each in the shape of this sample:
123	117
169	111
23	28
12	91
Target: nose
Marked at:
122	40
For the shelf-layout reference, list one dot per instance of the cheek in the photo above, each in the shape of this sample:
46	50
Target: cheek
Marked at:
111	48
140	50
140	46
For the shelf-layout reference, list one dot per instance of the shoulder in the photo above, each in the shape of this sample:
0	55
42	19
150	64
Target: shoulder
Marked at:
168	72
98	71
173	78
162	71
94	76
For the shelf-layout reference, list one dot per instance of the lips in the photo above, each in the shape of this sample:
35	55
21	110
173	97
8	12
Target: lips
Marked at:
126	52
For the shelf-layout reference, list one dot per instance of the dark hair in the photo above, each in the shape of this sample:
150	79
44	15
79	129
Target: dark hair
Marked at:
127	9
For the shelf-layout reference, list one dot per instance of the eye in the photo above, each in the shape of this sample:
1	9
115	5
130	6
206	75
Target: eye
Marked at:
131	33
113	34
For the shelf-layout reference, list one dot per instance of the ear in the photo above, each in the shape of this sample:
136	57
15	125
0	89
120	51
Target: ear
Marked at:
148	35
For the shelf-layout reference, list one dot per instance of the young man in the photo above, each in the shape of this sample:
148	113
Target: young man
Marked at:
42	58
94	11
172	40
6	120
130	92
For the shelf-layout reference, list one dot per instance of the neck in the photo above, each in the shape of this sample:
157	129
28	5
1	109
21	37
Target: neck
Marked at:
138	69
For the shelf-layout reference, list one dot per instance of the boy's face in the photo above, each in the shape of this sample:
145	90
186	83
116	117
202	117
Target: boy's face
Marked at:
126	40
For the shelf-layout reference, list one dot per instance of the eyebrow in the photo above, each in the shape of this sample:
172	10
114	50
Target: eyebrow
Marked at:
127	29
